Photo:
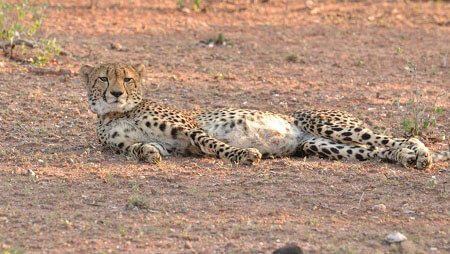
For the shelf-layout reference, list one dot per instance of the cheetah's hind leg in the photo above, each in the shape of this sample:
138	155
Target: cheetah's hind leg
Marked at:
344	128
327	148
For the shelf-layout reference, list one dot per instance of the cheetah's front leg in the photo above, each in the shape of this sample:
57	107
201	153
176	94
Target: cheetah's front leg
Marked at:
210	145
126	143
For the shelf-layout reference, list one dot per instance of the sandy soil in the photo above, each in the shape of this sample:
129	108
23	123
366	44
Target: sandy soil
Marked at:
350	56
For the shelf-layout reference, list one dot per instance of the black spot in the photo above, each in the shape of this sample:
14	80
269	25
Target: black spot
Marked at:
155	124
326	151
226	154
340	157
334	150
114	134
121	145
357	129
346	134
365	136
232	124
359	157
148	124
239	121
145	117
314	148
347	139
174	132
328	132
296	122
385	141
322	155
349	151
337	129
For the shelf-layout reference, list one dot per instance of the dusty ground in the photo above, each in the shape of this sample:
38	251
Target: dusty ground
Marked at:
351	56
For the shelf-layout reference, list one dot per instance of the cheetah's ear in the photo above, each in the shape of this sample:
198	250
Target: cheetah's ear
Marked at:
84	71
140	68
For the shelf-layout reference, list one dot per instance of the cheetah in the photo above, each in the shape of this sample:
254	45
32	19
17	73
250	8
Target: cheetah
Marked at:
141	128
146	131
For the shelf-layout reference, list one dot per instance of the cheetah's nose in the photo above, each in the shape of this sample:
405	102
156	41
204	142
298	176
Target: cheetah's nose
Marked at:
116	94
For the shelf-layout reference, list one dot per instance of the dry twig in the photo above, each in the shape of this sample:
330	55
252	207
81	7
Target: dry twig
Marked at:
27	43
48	70
15	42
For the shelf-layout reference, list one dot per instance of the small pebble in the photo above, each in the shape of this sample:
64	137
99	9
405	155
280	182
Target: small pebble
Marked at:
379	207
116	46
395	237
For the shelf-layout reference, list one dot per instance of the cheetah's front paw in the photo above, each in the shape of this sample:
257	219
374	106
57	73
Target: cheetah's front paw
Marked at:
146	153
248	156
150	154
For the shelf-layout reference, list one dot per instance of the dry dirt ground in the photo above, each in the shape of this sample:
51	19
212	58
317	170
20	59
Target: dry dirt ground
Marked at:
351	56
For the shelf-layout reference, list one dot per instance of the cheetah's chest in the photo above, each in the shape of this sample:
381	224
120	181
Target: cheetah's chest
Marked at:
271	134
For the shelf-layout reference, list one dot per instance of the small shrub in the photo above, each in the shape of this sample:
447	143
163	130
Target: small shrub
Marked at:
292	58
197	5
22	21
418	116
139	202
220	40
180	5
359	62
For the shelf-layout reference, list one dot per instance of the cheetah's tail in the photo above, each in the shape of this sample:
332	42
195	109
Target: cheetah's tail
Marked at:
440	155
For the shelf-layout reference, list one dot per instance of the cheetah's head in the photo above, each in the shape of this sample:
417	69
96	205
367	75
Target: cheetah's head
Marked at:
113	87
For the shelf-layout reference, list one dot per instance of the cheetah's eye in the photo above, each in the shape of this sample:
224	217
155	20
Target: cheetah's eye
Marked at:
104	79
127	80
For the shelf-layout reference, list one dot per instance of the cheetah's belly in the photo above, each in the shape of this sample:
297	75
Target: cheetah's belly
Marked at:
270	134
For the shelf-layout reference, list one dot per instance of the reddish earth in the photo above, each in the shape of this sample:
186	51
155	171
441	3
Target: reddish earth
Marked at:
350	56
